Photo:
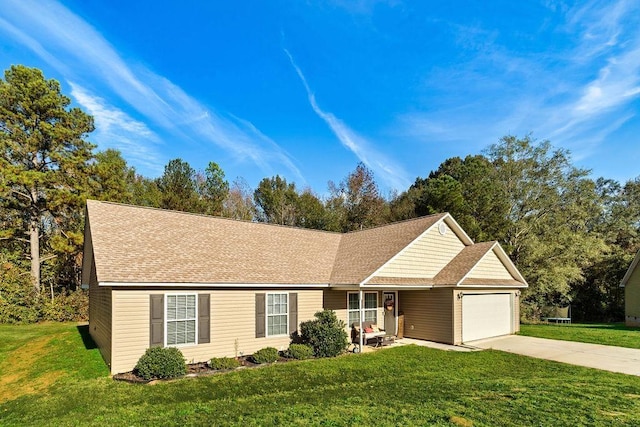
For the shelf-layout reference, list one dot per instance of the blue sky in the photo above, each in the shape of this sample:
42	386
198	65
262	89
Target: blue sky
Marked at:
308	89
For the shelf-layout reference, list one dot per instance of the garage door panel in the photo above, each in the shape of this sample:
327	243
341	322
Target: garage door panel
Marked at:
486	315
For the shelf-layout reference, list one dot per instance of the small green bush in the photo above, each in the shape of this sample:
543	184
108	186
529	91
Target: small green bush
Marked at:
265	355
300	351
326	334
222	363
161	362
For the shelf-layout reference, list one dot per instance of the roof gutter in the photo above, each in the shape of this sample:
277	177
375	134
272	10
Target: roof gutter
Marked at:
210	285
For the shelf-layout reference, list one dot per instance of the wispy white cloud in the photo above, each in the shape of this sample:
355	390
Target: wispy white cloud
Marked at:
392	174
116	129
80	53
576	96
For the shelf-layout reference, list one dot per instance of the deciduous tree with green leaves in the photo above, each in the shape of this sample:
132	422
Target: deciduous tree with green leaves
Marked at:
356	203
551	204
44	158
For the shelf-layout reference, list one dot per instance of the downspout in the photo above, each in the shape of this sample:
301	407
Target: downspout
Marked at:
361	309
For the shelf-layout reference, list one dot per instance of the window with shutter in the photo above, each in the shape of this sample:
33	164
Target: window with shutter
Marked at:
180	317
277	314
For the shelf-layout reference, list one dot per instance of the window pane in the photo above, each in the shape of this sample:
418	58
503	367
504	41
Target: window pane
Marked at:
354	317
371	300
171	307
371	315
171	333
353	301
190	331
191	306
270	303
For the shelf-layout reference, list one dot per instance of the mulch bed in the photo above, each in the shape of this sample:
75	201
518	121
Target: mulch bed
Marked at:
197	370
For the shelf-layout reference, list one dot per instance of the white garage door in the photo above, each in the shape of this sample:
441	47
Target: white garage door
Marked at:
484	316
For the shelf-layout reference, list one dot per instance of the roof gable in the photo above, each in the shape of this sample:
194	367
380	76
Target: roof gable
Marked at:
425	256
361	253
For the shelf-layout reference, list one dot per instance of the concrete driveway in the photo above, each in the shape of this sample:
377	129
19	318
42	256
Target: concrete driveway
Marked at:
607	358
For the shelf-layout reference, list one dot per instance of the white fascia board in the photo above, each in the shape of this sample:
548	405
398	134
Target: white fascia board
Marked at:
506	261
506	287
216	285
629	272
403	249
459	231
398	287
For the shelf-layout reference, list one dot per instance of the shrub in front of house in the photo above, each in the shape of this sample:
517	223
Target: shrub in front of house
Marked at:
265	355
300	351
161	362
326	334
221	363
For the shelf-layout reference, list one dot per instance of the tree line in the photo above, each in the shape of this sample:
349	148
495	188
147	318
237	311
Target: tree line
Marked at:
570	235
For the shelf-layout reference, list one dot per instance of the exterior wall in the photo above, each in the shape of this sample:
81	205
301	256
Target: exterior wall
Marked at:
428	314
457	310
232	319
490	267
632	299
425	257
100	315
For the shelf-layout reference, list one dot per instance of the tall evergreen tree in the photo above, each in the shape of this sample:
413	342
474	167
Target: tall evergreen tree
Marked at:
43	158
213	189
178	187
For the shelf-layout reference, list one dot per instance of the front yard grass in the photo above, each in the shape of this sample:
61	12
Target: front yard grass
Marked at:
598	333
407	385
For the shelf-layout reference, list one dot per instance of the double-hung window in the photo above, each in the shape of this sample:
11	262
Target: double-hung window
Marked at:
181	319
370	307
277	314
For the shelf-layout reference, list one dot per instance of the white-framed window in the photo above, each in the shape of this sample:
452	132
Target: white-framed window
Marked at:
180	319
277	314
370	307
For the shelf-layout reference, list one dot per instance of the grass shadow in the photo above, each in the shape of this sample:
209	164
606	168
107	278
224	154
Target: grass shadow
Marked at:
609	326
88	342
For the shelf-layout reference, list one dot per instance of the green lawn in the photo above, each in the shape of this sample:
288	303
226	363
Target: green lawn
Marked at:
68	385
607	333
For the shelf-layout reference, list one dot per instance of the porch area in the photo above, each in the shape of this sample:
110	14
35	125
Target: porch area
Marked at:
368	348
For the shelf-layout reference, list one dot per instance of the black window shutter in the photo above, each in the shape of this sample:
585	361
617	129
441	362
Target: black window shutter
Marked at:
204	328
260	315
293	312
156	320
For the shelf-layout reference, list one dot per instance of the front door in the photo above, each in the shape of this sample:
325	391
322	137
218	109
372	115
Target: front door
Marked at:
390	308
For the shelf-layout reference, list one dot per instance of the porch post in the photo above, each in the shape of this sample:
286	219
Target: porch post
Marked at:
361	311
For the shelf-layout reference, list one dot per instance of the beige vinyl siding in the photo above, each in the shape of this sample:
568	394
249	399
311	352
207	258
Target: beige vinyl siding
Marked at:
427	314
100	315
632	298
232	319
457	310
490	267
336	301
426	256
